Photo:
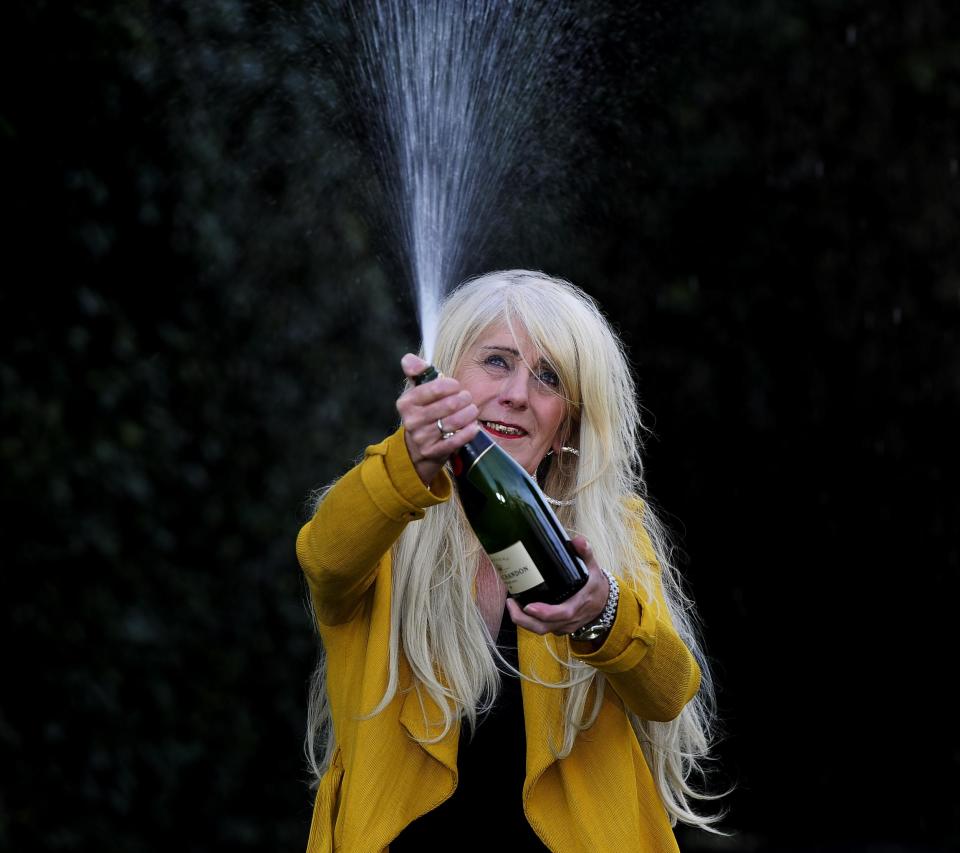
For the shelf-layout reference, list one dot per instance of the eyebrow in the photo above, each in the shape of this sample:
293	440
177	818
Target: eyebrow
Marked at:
543	362
502	349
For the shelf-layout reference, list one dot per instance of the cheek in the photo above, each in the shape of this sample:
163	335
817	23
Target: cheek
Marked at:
553	416
481	388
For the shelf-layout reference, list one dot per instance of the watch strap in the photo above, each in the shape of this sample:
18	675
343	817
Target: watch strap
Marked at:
604	622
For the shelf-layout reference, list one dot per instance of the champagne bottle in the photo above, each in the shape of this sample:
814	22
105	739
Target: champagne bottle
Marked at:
513	521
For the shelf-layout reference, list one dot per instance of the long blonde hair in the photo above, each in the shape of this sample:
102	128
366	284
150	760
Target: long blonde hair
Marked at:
435	621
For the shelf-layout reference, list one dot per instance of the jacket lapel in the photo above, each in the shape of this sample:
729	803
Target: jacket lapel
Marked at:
418	708
542	706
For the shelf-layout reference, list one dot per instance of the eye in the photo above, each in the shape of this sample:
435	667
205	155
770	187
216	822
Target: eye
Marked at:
548	377
495	360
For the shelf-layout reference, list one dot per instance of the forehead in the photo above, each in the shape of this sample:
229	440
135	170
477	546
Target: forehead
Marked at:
517	340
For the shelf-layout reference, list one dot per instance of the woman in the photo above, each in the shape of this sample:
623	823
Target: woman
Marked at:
439	704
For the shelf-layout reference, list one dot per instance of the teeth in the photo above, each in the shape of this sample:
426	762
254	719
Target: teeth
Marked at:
504	430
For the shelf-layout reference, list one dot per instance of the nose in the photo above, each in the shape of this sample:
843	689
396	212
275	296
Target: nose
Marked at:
513	390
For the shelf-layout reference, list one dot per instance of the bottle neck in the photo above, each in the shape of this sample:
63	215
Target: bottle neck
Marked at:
428	375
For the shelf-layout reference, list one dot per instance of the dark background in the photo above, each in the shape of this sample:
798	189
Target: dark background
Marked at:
201	320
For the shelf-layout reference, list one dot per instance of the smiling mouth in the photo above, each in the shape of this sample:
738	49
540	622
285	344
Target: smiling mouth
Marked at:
503	430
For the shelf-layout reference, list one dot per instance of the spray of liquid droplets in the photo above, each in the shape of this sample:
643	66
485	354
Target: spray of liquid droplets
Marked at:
455	88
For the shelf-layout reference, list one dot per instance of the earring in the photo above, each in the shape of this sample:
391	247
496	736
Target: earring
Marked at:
564	449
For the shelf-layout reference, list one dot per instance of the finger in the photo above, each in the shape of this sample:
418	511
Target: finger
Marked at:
583	548
417	414
459	420
412	365
441	448
430	392
455	411
462	436
585	606
551	614
429	444
430	425
448	414
523	619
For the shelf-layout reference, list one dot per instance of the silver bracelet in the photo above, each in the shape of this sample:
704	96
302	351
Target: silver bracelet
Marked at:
604	622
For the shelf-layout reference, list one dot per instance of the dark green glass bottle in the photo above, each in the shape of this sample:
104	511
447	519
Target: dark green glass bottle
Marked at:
514	523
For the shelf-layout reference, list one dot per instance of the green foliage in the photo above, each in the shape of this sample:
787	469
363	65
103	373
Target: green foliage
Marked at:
209	338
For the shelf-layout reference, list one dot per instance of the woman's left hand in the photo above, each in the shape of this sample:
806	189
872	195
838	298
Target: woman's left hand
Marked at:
573	613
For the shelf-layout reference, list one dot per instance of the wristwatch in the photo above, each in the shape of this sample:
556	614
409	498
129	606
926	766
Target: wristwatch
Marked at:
604	622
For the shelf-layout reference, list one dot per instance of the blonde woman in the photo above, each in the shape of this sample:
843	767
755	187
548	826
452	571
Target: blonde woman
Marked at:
441	709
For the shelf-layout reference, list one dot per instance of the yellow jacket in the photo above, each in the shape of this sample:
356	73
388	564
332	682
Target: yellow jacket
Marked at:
599	798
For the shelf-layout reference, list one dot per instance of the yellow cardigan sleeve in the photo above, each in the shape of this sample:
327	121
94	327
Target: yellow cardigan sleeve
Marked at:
643	657
358	521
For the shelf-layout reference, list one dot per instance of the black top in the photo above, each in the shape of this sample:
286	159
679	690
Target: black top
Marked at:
487	806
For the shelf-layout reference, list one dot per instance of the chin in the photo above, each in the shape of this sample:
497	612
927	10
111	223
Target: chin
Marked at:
519	458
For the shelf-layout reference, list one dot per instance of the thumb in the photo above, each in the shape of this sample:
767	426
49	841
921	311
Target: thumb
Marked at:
413	365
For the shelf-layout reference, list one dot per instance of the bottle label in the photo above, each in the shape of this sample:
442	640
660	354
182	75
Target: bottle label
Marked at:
517	570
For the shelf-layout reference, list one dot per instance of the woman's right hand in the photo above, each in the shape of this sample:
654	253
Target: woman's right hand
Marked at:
420	408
